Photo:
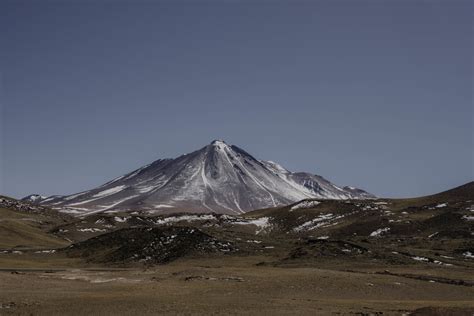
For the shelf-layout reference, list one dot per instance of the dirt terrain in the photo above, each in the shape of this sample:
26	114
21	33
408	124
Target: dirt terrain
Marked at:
232	286
315	257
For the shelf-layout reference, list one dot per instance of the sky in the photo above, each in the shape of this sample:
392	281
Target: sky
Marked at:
374	94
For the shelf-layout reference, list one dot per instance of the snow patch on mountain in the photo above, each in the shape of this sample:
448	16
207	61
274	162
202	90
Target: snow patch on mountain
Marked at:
263	223
379	232
305	204
110	191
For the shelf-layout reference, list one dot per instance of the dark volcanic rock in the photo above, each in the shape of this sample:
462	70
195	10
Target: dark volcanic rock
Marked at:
149	245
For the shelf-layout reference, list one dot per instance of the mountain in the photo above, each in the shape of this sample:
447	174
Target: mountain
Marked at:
217	178
34	198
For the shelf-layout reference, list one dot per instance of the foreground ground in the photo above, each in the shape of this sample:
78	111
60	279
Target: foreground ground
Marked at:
233	285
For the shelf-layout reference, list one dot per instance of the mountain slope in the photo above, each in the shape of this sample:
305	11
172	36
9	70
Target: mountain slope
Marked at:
25	226
216	178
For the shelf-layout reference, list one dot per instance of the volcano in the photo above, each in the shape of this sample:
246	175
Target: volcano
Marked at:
217	178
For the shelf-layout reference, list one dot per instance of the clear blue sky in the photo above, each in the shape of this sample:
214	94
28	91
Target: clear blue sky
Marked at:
376	94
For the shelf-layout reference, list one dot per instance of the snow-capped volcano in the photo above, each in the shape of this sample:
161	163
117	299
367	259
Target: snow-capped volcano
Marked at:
217	178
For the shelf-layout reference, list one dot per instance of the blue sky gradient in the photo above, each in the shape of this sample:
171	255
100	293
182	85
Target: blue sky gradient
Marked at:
375	94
